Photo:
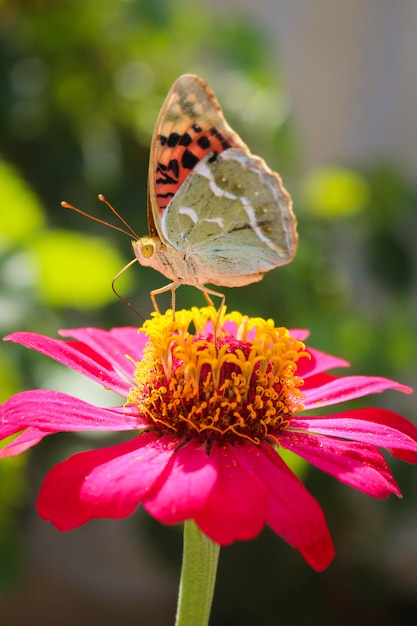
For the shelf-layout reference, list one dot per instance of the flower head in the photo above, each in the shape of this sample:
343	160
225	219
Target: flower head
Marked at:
242	386
208	418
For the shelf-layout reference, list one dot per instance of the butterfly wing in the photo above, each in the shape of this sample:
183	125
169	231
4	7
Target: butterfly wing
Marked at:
232	217
189	127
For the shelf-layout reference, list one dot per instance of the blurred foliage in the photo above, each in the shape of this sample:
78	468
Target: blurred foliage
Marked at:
81	84
22	214
335	192
13	488
74	269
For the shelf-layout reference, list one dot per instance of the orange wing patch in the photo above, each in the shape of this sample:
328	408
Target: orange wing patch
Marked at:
190	126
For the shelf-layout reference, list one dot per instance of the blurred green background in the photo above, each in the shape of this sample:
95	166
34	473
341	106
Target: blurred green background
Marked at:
81	84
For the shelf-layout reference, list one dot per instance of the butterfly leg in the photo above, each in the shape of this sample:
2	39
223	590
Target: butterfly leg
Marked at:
210	292
172	287
207	297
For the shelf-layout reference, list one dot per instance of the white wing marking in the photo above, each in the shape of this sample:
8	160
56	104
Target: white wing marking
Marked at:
192	214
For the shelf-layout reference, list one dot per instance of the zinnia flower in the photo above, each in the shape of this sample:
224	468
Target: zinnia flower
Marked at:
208	418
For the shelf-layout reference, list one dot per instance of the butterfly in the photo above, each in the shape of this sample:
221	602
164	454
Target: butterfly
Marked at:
216	213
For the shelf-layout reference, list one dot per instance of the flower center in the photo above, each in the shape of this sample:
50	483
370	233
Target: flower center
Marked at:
242	385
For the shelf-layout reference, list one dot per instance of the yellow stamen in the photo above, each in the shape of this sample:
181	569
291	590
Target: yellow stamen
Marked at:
240	385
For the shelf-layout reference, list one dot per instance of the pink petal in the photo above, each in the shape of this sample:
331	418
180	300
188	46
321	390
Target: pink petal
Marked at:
113	345
348	388
318	363
67	353
109	482
229	327
299	333
185	486
236	507
316	381
28	438
404	455
293	513
54	411
355	464
378	427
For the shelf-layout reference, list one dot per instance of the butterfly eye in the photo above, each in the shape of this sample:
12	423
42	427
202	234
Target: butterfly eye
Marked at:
148	250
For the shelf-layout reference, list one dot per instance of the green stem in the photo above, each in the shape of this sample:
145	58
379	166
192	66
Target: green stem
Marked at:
198	577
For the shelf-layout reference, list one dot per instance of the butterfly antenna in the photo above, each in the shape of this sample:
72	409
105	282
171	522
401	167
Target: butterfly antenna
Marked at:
116	293
130	232
117	214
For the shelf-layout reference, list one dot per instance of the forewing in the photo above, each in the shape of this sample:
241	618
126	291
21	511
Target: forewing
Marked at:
189	127
234	215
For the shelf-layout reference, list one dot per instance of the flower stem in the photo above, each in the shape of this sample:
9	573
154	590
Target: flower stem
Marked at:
198	577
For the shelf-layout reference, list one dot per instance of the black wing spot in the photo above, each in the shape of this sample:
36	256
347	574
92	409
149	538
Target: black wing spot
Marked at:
197	128
162	139
204	142
165	178
189	160
185	140
225	144
213	157
215	133
173	139
174	167
169	194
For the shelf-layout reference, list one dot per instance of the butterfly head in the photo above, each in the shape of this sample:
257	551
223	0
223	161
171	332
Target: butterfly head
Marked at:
146	250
